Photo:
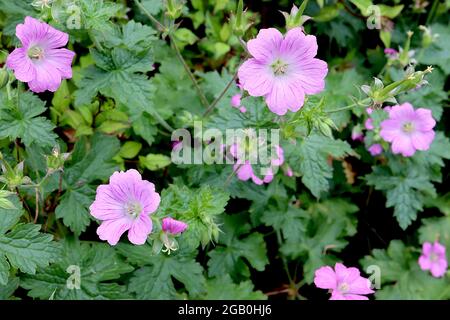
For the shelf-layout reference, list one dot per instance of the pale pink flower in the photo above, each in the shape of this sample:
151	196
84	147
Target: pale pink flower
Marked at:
375	149
433	258
172	226
369	124
125	204
407	129
344	283
243	109
177	145
283	69
41	62
357	134
391	53
288	172
236	100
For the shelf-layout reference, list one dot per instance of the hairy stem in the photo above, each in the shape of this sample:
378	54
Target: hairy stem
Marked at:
200	94
216	101
162	28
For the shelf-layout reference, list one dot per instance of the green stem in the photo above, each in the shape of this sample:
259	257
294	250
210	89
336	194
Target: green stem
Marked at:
285	265
189	72
162	28
158	24
359	103
95	41
216	101
162	121
432	12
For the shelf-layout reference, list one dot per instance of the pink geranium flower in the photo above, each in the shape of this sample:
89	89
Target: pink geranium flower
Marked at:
433	258
407	129
344	283
236	100
172	226
125	204
40	61
283	69
375	149
369	124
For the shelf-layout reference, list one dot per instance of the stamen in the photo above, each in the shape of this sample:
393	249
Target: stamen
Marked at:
36	53
279	67
133	209
408	127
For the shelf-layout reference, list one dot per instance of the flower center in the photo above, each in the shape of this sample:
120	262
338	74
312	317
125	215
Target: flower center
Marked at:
433	257
279	67
343	287
408	127
133	209
36	53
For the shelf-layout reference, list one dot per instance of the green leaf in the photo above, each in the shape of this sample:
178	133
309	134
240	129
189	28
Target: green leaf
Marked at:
96	263
22	121
97	13
22	246
404	193
120	70
74	208
223	288
91	160
310	159
291	223
327	224
153	6
130	149
6	291
155	162
129	89
437	52
185	36
146	128
236	248
390	11
154	279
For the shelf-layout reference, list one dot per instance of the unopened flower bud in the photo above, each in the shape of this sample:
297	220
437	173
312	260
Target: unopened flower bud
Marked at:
4	77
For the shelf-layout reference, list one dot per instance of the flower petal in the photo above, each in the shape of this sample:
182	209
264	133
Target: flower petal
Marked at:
18	61
310	75
422	140
106	206
266	45
140	229
47	78
284	97
112	230
61	59
255	77
325	278
297	46
31	31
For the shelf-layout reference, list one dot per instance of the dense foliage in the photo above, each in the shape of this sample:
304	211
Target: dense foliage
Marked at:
345	191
